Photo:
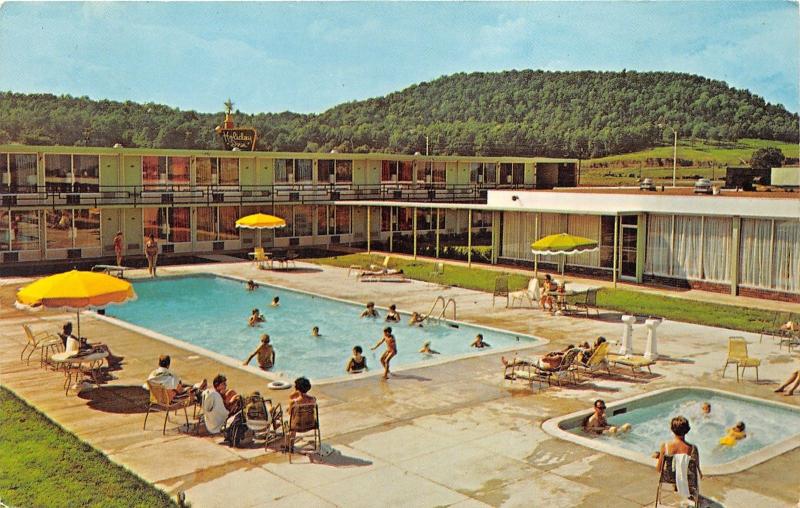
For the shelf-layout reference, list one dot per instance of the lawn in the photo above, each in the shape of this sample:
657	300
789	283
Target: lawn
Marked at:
41	464
622	300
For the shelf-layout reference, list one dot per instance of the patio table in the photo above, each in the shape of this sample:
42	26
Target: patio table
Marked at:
93	361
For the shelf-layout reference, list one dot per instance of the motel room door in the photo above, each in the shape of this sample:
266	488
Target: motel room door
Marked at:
629	225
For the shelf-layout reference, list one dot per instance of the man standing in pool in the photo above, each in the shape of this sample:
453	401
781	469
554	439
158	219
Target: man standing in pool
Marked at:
391	349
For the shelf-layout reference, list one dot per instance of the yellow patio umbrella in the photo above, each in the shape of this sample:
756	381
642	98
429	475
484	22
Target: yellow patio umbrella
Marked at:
75	290
260	221
562	244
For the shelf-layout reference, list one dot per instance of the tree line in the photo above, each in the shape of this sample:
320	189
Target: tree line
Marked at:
583	114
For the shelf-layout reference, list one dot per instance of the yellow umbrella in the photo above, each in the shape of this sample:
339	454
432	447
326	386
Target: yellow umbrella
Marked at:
260	221
563	244
75	290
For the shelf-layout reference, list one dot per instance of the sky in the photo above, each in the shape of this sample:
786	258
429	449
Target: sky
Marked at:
307	57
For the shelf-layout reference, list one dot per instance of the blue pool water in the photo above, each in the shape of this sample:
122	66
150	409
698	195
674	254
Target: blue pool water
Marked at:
212	312
766	424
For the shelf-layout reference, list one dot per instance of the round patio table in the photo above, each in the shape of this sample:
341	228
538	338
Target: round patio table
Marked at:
75	363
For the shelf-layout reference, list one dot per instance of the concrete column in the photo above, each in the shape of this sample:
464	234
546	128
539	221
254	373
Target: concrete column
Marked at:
438	210
616	249
469	237
733	252
414	230
626	347
369	229
651	351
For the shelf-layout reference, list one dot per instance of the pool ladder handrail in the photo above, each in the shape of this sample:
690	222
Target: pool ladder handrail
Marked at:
445	306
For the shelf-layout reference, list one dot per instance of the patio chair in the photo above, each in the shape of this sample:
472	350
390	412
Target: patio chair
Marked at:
635	362
667	476
263	419
565	369
737	355
160	401
597	361
46	342
500	289
590	302
303	418
438	269
532	294
259	255
384	267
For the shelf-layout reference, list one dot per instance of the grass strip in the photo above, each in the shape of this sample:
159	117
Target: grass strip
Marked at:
622	300
41	464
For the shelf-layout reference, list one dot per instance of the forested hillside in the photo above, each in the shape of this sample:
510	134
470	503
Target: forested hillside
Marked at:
574	114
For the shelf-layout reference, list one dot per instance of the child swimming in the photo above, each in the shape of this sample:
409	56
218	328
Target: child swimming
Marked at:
734	435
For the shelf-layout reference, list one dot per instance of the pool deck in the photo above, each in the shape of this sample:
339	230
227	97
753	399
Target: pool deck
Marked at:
453	434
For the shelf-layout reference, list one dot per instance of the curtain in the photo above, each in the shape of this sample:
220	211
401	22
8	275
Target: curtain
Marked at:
587	226
756	253
227	222
518	234
786	256
659	234
179	225
687	247
716	249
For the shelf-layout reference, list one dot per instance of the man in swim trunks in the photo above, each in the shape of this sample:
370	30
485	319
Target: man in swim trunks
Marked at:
391	349
598	424
265	353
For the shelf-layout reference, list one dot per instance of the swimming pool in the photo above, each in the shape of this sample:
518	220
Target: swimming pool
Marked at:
772	428
211	312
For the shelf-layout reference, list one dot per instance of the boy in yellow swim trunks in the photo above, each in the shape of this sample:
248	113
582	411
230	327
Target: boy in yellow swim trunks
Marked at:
734	435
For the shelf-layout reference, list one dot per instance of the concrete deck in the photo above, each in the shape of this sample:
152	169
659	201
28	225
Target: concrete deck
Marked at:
455	434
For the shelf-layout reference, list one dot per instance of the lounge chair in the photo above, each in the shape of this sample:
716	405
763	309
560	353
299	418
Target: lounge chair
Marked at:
667	476
160	401
737	355
532	294
589	302
635	362
46	342
303	418
565	369
500	289
383	267
597	361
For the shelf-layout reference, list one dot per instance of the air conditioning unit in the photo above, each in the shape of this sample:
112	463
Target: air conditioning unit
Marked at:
218	246
167	248
73	253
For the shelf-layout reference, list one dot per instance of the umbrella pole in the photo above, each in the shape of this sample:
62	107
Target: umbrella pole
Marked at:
78	313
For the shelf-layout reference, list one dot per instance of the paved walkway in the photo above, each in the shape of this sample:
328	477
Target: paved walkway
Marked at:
454	434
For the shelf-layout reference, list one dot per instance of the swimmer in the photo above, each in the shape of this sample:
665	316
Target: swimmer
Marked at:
734	435
276	302
370	311
479	343
255	318
426	349
357	363
391	349
416	319
251	285
265	353
598	424
393	316
315	332
706	408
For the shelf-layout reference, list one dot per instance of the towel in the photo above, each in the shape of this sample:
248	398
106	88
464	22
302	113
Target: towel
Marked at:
680	464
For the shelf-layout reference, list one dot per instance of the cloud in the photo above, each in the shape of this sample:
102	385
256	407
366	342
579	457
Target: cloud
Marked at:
501	39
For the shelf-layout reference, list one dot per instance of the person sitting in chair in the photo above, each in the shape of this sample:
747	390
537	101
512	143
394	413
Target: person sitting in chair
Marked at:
218	403
176	389
79	345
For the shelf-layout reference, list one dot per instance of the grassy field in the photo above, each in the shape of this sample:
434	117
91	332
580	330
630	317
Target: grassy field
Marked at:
622	300
627	168
41	464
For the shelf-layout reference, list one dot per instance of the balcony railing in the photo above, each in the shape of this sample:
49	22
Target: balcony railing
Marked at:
242	195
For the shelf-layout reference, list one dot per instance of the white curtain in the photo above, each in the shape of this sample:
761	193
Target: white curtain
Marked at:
587	226
786	256
518	234
716	249
756	253
549	224
659	234
686	247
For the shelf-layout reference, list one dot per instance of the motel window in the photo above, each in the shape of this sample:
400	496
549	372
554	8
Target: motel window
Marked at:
217	223
178	170
512	173
168	224
481	219
5	176
439	172
154	171
303	170
227	229
19	230
425	219
389	171
285	213
72	173
432	172
482	172
325	171
205	220
405	218
69	229
386	218
22	168
229	171
58	172
284	170
342	217
303	220
322	220
344	171
207	170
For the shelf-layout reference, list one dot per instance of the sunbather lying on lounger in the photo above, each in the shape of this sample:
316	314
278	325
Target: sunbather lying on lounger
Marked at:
550	361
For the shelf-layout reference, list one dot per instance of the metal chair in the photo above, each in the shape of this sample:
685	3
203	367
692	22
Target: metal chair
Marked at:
500	289
737	355
160	401
303	418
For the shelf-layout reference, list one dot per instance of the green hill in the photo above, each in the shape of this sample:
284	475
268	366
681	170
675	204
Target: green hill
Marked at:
568	114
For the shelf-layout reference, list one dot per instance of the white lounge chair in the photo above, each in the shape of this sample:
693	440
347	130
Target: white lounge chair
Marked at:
532	294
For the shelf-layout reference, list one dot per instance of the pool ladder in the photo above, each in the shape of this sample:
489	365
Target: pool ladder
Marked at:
445	306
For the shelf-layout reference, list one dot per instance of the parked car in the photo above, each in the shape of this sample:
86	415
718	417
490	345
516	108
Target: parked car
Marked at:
703	186
647	184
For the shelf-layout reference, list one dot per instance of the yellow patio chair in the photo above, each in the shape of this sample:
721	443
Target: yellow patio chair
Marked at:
737	354
635	362
160	401
44	341
597	361
303	418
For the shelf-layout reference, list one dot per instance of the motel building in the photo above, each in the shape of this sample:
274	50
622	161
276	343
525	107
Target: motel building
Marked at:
60	205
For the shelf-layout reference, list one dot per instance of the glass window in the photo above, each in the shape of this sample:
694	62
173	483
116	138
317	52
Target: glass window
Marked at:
506	173
227	222
206	224
405	219
207	171
59	229
481	219
386	214
344	171
229	171
23	171
424	220
406	171
439	172
87	228
179	224
322	220
154	171
324	171
5	176
58	172
388	171
155	222
303	220
303	169
283	168
285	213
19	230
425	172
475	172
607	241
490	172
342	219
178	170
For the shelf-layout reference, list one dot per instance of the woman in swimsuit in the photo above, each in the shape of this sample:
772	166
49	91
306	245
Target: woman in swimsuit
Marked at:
357	363
151	251
391	350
